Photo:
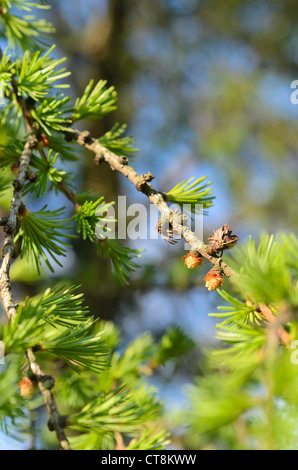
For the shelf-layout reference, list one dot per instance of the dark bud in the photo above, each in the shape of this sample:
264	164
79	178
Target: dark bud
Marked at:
30	103
31	176
47	381
17	185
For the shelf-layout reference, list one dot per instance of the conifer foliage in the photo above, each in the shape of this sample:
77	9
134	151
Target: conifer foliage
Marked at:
98	397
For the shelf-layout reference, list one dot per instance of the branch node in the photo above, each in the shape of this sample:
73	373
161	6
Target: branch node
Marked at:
31	176
62	423
99	158
146	178
84	138
18	185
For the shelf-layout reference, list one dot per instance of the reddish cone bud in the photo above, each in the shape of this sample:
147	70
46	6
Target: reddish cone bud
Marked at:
26	388
15	169
192	260
43	141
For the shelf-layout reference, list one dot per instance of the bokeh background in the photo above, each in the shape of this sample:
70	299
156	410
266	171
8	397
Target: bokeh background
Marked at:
204	86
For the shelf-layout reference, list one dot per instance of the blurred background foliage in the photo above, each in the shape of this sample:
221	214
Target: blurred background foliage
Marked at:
204	86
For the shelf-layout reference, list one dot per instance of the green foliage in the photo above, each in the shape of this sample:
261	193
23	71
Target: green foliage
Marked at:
5	183
138	353
113	141
47	176
264	270
62	306
11	115
50	114
11	403
41	235
95	103
192	193
150	440
237	311
215	403
88	215
5	74
66	150
174	343
115	412
11	152
249	381
27	31
120	258
93	441
78	347
24	331
36	75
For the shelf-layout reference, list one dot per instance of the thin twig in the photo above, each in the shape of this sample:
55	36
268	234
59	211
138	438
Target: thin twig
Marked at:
56	422
10	228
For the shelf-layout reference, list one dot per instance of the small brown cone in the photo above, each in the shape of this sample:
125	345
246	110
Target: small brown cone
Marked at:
43	141
26	388
213	280
222	239
15	169
192	260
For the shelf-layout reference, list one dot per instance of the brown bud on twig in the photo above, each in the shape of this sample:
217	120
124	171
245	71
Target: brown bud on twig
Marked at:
31	176
23	211
43	141
146	178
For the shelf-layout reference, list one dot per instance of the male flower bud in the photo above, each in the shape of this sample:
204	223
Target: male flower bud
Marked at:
192	260
213	280
26	387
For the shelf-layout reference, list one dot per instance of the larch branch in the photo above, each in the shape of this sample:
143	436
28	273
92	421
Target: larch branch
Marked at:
141	182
